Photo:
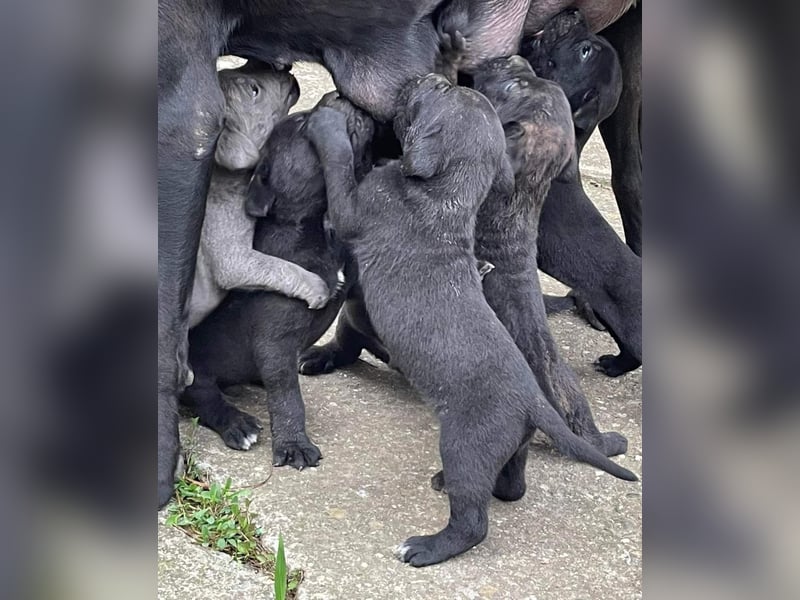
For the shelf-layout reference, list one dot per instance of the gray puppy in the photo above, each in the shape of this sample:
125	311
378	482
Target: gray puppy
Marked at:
257	97
409	226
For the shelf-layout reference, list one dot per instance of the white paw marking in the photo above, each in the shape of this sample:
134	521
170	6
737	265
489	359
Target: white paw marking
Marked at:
251	438
189	378
401	551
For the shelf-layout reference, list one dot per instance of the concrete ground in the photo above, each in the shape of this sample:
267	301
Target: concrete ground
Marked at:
575	535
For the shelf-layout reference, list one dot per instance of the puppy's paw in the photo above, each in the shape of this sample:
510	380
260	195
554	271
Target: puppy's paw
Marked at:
614	443
317	360
298	454
421	551
241	431
610	364
453	46
437	482
314	292
323	123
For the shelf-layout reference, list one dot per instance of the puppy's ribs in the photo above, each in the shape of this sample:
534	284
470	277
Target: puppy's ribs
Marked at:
327	131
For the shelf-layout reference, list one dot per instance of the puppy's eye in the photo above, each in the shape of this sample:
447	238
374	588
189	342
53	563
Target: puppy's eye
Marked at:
254	90
511	86
586	50
551	64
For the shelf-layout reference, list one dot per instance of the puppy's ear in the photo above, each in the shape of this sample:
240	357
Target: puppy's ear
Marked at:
515	138
422	154
570	171
587	115
235	150
260	194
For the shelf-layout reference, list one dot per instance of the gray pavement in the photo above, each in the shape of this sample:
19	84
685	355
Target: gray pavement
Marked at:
575	535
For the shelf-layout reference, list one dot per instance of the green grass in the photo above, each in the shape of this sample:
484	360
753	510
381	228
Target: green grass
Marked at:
218	516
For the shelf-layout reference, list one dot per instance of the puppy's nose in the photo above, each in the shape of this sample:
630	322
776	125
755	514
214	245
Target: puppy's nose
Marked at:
518	61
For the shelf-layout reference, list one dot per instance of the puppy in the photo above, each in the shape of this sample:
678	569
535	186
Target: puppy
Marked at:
536	117
257	97
576	245
409	226
255	337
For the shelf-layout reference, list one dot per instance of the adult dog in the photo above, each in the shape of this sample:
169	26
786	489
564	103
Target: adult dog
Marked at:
409	226
256	336
576	245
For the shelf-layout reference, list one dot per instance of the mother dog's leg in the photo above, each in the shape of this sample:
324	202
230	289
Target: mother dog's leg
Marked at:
190	108
621	131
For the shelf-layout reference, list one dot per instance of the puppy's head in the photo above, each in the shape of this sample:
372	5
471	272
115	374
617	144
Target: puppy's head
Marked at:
535	115
446	129
257	96
360	130
585	65
288	184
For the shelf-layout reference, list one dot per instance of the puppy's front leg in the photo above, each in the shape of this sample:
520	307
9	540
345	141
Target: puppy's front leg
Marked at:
250	269
327	131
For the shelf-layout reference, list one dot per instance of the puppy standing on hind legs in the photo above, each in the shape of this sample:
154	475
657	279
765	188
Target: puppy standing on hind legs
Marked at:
409	227
540	141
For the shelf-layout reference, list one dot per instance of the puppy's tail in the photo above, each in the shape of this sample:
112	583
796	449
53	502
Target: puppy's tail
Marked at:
568	443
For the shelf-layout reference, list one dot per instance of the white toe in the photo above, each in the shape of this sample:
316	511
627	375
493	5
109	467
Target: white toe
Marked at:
400	551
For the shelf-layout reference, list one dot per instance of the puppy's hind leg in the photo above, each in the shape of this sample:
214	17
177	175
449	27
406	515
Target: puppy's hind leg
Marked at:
237	429
470	470
354	333
510	485
343	350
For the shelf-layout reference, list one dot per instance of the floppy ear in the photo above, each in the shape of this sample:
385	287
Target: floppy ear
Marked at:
235	150
515	134
587	115
570	171
260	194
422	154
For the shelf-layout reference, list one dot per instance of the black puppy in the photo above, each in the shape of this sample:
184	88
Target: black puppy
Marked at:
409	226
536	116
576	245
256	336
620	22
